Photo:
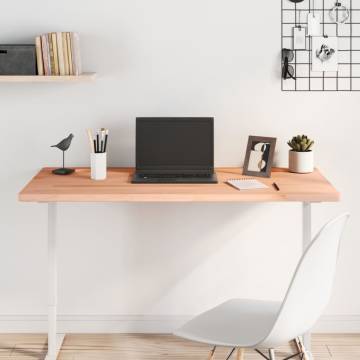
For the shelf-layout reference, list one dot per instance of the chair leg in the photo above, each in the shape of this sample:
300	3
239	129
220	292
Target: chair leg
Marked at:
231	352
272	354
212	353
304	353
240	354
260	353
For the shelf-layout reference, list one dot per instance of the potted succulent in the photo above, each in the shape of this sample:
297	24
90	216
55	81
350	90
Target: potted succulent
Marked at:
301	157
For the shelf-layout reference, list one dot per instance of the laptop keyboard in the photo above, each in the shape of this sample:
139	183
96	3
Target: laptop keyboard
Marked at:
174	176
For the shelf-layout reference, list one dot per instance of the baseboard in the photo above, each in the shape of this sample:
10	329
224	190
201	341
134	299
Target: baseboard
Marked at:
142	323
338	324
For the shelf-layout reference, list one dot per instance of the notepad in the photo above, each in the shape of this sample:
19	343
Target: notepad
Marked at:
246	184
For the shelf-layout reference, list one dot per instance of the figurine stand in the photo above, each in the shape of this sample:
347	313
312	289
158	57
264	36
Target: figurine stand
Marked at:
63	170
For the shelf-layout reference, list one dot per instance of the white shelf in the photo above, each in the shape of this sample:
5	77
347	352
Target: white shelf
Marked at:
36	78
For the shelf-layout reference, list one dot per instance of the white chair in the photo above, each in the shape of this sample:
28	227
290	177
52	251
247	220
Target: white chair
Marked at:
257	324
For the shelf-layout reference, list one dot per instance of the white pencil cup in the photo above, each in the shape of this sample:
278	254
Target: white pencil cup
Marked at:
98	166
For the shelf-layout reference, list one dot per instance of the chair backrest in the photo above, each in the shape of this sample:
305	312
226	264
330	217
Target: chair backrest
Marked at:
310	288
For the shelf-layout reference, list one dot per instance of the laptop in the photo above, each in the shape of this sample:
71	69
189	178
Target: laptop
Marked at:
174	150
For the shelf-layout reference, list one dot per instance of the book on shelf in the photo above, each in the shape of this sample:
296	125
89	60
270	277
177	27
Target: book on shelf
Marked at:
59	42
45	54
56	57
68	39
75	50
39	57
66	54
58	54
51	54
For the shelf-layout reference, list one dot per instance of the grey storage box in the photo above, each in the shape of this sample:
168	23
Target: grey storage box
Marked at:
17	60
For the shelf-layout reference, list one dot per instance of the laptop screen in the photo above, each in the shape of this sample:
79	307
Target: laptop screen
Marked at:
173	144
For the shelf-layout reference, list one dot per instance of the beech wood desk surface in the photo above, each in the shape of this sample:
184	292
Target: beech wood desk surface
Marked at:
78	187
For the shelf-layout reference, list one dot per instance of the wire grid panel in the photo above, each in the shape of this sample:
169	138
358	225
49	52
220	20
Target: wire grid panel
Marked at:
347	78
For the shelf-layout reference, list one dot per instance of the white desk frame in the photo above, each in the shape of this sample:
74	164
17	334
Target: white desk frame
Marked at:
55	340
307	237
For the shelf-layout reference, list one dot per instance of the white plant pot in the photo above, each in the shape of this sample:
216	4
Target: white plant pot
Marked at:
301	162
98	166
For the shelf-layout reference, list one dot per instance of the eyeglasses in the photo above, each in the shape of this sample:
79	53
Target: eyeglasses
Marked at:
288	71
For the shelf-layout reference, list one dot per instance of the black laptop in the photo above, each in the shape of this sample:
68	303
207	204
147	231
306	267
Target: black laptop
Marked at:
175	150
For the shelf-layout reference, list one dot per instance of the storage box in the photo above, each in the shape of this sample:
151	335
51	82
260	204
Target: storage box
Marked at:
17	60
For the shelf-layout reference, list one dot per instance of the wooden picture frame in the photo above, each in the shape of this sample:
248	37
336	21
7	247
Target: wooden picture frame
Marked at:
259	156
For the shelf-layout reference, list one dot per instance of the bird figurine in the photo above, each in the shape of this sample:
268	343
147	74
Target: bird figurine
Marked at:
64	145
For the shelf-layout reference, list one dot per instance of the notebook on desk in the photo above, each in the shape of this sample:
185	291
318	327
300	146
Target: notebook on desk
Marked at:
246	184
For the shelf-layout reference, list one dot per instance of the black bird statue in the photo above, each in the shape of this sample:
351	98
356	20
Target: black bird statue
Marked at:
63	145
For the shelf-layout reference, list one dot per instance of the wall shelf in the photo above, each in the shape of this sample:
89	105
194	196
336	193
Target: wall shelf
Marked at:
36	78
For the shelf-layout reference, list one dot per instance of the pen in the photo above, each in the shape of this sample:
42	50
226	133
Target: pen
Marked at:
106	139
97	143
276	186
102	140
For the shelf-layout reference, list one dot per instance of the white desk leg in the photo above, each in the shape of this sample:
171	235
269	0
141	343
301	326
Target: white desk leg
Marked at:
54	340
306	241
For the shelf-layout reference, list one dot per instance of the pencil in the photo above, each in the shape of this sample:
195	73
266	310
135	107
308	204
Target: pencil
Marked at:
276	186
91	140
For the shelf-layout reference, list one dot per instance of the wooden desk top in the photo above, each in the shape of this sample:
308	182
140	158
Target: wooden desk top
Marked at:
78	187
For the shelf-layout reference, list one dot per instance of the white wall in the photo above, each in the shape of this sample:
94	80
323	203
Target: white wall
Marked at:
179	58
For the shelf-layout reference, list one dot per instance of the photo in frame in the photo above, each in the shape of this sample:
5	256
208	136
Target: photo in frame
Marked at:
259	156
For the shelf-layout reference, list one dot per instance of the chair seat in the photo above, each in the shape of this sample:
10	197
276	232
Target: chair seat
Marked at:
235	323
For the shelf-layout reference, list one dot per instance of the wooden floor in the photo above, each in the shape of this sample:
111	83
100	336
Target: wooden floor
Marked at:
157	347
